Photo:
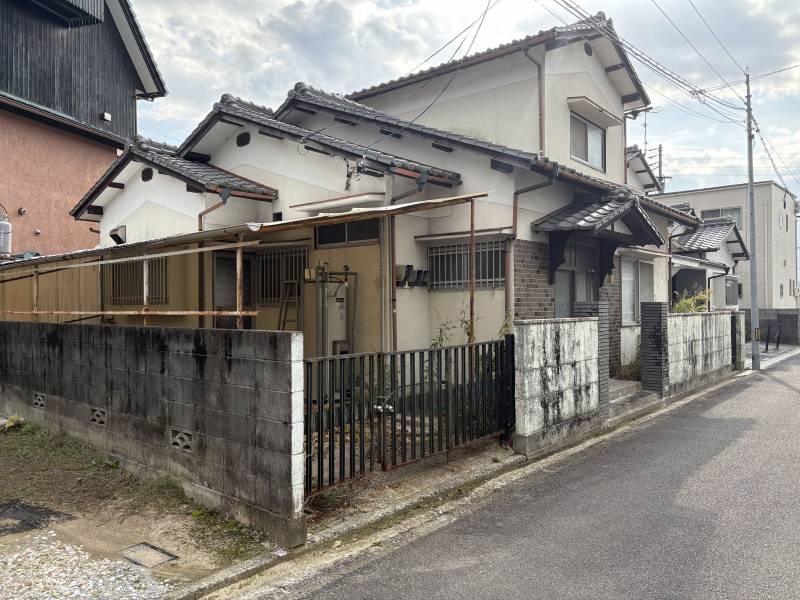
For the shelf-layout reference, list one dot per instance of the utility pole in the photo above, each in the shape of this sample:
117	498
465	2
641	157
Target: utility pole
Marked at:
751	205
660	163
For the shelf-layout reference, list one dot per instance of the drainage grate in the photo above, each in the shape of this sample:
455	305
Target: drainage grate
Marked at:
147	555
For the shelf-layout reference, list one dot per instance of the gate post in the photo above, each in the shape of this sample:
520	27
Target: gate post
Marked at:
599	309
654	347
738	340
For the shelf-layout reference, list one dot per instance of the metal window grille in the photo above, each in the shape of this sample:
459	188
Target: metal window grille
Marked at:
124	282
277	265
449	266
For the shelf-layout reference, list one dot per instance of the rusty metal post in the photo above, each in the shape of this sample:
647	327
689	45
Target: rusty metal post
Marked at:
145	289
201	286
472	271
239	287
35	285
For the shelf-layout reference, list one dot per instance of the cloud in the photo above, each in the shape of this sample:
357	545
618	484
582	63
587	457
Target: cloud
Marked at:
258	49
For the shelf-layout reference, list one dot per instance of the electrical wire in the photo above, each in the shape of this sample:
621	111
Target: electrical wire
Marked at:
713	102
433	75
753	78
697	50
719	41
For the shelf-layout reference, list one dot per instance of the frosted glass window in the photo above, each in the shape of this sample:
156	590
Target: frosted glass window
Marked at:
629	291
587	142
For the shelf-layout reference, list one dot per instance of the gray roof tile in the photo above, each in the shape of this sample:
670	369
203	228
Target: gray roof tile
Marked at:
709	235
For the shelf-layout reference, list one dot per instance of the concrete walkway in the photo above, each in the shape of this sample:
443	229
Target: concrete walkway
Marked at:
699	502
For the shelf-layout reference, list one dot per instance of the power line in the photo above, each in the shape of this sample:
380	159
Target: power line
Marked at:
433	75
712	101
685	109
754	77
695	48
719	41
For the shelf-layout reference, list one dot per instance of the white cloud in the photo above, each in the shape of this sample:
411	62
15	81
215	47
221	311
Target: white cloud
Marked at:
258	49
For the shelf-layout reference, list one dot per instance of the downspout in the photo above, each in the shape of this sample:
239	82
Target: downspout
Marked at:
708	285
509	297
420	181
540	93
224	194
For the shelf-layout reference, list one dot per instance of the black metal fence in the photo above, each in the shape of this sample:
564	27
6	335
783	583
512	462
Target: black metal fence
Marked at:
380	410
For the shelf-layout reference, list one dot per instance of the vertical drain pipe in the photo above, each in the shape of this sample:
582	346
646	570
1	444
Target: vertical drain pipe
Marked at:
509	297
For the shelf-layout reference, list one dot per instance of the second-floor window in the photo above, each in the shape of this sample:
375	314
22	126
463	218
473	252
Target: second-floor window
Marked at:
734	213
587	142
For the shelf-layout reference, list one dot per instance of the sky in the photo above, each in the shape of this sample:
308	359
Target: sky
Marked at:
258	49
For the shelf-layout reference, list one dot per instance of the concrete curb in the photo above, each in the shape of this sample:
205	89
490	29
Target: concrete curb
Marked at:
356	523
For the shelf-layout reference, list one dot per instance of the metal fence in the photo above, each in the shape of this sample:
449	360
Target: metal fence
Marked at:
380	410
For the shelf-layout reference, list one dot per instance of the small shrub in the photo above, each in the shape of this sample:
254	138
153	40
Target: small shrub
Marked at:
14	422
691	304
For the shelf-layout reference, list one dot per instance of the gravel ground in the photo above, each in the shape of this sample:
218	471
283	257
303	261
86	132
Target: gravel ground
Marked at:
43	568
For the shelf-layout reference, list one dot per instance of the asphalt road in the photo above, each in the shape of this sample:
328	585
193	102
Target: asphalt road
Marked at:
702	502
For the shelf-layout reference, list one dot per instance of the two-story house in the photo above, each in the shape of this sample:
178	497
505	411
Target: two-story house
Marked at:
549	230
71	76
775	245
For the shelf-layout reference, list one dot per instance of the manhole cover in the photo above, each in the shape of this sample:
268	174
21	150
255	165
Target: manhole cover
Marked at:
147	555
17	517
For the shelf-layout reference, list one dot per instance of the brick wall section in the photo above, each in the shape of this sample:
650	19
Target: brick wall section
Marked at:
534	296
599	310
653	348
221	411
611	294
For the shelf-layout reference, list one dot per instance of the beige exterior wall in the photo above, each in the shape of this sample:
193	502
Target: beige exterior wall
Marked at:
46	171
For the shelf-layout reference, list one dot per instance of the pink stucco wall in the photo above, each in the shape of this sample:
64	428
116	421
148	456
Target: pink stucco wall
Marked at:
46	171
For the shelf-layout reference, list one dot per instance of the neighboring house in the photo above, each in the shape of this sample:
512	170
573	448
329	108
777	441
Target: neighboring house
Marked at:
72	73
640	175
775	244
706	257
547	233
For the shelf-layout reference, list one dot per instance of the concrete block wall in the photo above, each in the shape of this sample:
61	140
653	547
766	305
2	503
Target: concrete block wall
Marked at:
557	381
219	410
699	348
771	318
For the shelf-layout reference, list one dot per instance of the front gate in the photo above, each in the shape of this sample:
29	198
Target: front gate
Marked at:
380	410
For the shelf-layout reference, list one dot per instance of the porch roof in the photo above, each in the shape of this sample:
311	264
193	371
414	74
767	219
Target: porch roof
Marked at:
710	236
249	231
597	215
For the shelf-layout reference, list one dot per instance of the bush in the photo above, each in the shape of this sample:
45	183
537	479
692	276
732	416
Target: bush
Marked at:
692	304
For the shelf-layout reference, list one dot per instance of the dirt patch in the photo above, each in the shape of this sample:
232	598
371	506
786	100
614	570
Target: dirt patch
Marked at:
104	509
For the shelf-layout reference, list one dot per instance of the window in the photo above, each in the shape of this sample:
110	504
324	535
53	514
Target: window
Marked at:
124	282
576	279
731	297
276	265
780	290
780	221
740	291
348	233
449	266
637	287
587	142
732	213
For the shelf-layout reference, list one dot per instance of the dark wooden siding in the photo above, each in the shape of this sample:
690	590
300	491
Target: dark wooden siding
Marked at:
79	71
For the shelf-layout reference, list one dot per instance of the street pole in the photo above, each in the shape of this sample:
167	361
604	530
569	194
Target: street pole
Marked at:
751	206
660	163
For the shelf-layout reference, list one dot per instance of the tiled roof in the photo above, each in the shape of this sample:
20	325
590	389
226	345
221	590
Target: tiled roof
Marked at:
598	215
581	26
203	174
163	156
709	235
265	118
683	207
305	94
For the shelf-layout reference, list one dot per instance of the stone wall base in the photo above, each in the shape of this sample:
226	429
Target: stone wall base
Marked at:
147	460
558	436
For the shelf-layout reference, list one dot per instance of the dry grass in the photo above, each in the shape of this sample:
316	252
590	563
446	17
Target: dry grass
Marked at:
62	473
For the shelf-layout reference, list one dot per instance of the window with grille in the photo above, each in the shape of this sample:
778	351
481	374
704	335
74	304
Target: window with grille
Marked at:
277	265
449	266
124	282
